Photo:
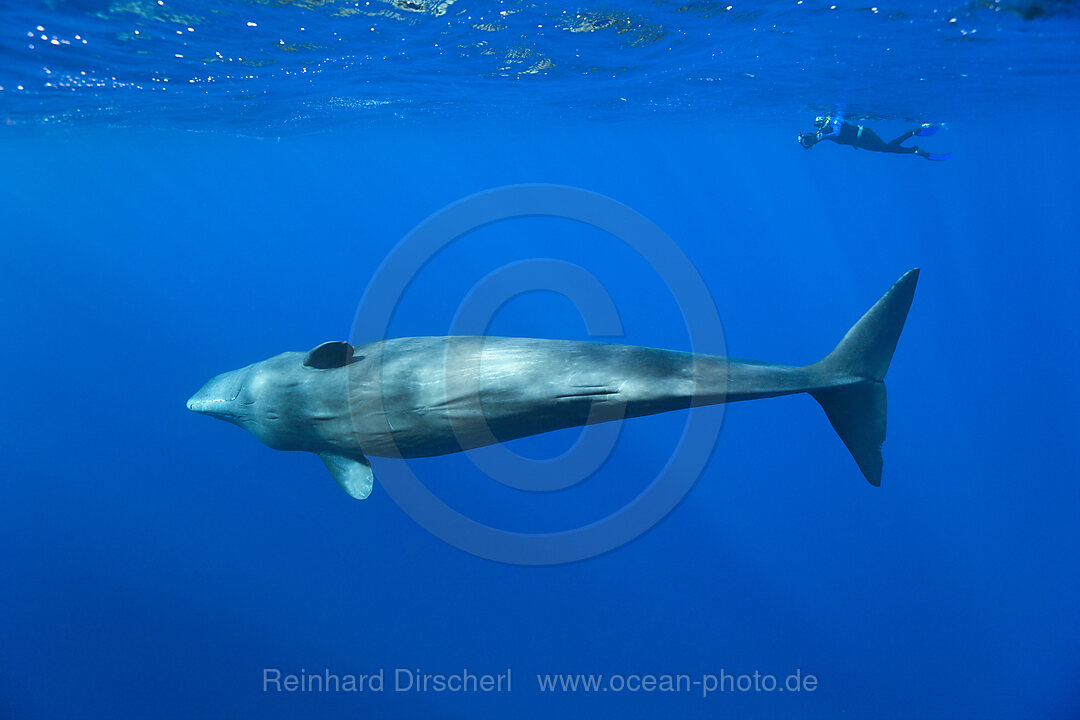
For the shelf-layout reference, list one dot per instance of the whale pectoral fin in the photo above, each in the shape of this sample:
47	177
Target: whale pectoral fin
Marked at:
353	474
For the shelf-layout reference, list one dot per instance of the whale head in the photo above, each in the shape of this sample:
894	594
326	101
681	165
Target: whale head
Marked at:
256	398
280	400
227	397
295	401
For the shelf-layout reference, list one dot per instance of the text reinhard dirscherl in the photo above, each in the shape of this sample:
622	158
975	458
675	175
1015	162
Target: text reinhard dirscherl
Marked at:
413	680
400	680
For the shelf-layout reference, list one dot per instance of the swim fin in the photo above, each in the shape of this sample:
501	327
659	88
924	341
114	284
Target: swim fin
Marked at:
938	156
927	130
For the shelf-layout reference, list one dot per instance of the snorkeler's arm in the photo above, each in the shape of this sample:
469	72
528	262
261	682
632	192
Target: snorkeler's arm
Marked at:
810	139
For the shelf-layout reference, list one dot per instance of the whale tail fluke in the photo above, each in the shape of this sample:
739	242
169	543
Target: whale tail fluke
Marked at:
857	409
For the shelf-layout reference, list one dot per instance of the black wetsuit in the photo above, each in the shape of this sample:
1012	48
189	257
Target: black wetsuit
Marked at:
860	136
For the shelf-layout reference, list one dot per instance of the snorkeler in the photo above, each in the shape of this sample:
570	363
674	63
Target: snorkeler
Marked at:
859	136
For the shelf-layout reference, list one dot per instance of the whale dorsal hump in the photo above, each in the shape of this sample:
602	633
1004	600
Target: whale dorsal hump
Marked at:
330	355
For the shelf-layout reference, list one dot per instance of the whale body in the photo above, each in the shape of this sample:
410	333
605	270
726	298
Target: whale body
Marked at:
427	396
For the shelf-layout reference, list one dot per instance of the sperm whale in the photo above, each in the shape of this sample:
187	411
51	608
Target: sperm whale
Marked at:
427	396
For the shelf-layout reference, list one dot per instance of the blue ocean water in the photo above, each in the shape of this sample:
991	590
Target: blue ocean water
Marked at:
189	187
